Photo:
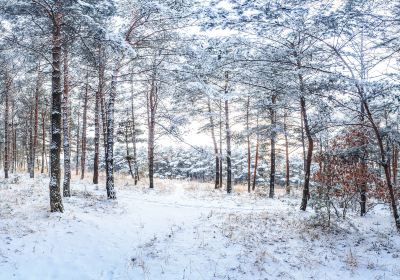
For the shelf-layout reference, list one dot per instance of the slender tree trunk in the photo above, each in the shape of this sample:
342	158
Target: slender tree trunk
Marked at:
228	140
67	152
220	145
303	143
135	162
78	132
248	145
6	126
128	156
386	166
55	146
395	157
43	136
214	143
110	137
273	143
256	159
306	190
285	129
30	150
152	103
36	123
84	127
13	140
99	94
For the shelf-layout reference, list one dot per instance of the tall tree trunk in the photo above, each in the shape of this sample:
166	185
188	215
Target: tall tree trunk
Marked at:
6	125
78	132
228	140
67	152
36	122
152	106
134	140
273	143
256	159
43	136
99	94
55	146
214	143
285	129
84	127
248	145
13	141
110	137
395	164
220	145
30	150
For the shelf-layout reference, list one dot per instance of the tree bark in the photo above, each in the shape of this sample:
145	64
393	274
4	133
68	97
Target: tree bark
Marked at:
220	145
84	127
99	94
78	132
307	173
67	152
152	101
55	146
44	110
110	137
228	140
273	143
134	138
6	126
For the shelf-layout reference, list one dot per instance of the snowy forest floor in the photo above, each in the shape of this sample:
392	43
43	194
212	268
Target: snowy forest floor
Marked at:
183	230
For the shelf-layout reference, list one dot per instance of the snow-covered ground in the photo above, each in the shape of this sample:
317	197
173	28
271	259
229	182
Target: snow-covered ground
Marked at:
183	230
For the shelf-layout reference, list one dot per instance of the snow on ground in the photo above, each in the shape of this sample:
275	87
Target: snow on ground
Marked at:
183	231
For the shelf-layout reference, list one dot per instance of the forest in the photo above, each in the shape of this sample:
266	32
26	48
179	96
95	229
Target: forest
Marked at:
199	139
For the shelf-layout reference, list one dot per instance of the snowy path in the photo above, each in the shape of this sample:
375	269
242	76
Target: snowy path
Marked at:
177	234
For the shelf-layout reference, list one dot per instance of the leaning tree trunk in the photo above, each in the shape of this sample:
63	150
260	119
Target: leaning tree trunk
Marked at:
215	144
385	164
273	151
67	152
55	145
110	137
84	127
310	148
